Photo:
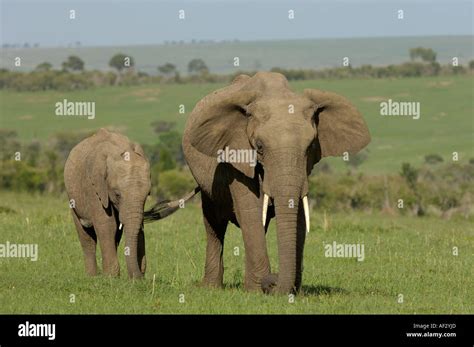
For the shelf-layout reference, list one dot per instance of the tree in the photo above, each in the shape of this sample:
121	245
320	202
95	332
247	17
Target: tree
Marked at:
410	175
167	69
197	66
166	161
52	160
73	63
356	160
170	141
44	66
121	61
63	142
471	64
9	144
426	54
162	126
33	151
433	159
174	184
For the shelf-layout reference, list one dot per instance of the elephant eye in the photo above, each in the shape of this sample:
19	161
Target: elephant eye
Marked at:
316	114
259	146
243	110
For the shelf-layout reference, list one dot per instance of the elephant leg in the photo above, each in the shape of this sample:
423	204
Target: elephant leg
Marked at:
118	234
300	240
257	263
215	231
141	251
106	233
88	240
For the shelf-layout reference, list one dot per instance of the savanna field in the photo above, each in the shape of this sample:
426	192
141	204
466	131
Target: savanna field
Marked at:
445	124
404	255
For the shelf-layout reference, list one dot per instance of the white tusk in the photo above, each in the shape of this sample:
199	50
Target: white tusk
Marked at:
120	226
265	208
306	212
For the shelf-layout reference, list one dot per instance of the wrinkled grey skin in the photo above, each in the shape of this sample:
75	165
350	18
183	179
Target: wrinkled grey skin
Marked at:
108	178
254	113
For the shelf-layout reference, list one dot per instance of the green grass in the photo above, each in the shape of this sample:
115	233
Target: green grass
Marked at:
403	255
445	126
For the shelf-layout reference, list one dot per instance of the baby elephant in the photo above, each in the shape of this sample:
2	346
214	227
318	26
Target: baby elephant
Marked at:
107	179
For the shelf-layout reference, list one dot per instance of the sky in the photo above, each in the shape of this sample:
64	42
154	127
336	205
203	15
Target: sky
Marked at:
114	23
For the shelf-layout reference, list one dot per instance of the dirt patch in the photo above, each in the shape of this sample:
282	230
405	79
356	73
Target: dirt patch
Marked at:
440	84
38	98
440	115
150	99
26	117
145	93
374	98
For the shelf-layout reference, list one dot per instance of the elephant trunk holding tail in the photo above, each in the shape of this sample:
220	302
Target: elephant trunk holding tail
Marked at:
107	179
290	133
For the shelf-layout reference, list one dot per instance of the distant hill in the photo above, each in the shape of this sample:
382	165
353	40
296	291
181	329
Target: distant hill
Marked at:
257	55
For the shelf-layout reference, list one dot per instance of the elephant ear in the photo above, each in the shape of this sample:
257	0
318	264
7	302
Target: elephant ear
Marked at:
97	175
340	126
220	120
139	150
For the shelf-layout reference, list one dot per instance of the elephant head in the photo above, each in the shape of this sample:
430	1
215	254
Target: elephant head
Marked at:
290	133
120	176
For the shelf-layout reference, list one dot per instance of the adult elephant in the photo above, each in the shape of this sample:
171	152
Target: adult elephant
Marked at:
107	179
289	134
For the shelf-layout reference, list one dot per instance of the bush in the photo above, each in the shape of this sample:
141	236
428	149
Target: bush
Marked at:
63	142
174	184
433	159
19	176
43	78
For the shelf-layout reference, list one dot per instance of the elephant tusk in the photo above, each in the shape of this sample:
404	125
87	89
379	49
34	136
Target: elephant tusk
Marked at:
120	226
306	212
265	208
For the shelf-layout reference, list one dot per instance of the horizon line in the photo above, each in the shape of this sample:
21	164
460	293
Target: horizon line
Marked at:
232	41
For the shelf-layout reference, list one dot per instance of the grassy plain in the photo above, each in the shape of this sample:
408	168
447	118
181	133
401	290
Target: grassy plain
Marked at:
445	125
403	255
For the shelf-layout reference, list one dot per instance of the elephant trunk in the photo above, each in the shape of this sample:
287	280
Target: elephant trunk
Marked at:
287	187
132	220
286	210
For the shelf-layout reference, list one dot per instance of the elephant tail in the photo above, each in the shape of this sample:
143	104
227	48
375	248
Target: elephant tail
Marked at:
165	208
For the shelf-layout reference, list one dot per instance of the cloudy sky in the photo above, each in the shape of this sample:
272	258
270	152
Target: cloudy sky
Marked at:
111	22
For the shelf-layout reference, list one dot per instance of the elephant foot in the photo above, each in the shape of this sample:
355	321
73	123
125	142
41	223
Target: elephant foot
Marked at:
112	271
205	283
253	281
252	286
136	276
269	283
91	267
91	272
